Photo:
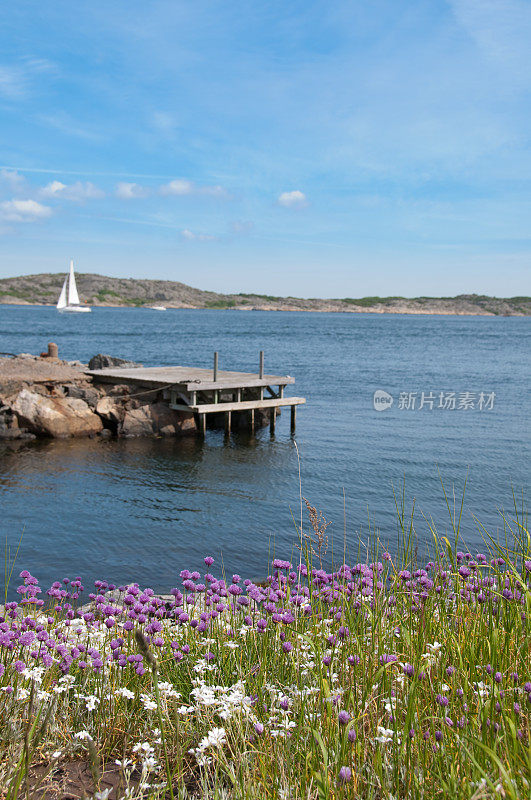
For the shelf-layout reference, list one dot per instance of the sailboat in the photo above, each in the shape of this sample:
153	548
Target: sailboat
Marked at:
69	298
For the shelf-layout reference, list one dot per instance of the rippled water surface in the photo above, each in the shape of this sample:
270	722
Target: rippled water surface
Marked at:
145	509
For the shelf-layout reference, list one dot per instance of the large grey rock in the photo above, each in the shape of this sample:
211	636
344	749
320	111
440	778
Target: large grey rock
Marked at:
83	391
154	420
102	361
59	417
137	422
110	409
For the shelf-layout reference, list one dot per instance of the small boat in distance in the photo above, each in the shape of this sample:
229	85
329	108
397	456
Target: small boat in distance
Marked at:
157	308
69	298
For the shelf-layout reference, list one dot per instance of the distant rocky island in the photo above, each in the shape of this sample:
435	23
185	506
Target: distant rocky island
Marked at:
100	290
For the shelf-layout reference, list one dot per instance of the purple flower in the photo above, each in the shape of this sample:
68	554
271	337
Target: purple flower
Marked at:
259	728
343	717
438	736
388	659
442	700
345	775
19	666
287	647
498	677
409	670
352	736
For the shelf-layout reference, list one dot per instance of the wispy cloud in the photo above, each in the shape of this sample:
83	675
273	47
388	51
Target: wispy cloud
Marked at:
12	179
197	237
65	124
181	187
130	191
294	199
24	211
76	192
16	80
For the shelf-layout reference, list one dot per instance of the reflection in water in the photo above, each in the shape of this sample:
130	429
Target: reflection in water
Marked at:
145	509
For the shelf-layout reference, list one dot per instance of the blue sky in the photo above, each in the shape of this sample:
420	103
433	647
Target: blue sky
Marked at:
324	149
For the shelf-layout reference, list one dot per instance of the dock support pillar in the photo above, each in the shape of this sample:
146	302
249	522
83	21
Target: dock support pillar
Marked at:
251	414
228	416
215	366
202	424
272	420
293	418
261	364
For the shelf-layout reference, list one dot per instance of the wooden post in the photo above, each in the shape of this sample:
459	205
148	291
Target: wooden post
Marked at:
272	420
194	398
228	416
53	350
202	424
252	420
216	365
293	418
261	363
281	391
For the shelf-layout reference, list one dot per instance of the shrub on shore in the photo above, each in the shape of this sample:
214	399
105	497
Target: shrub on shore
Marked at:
380	680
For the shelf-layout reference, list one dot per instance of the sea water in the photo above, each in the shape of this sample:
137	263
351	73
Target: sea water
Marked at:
142	510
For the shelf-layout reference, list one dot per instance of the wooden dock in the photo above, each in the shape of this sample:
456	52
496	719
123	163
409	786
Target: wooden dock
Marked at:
211	391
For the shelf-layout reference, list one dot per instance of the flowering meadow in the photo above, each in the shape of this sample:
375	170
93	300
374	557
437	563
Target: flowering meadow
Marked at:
380	679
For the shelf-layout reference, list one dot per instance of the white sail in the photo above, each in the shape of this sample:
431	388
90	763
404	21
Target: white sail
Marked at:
73	297
61	303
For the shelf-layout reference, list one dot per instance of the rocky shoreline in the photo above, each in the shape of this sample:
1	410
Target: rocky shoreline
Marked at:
105	291
45	397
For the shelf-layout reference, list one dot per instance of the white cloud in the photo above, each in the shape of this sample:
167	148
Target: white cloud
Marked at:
24	211
184	187
13	179
197	237
77	191
177	187
294	199
130	191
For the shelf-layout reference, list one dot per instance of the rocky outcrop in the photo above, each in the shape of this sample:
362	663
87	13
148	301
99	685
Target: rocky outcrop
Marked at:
156	418
102	361
59	417
42	397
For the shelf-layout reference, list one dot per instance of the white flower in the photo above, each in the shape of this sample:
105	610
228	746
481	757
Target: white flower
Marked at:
123	764
186	709
217	736
435	647
125	693
385	735
23	694
82	735
56	754
147	702
143	748
102	795
445	688
232	645
92	702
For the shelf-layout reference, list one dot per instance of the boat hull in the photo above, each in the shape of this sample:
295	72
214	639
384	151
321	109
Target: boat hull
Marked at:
74	310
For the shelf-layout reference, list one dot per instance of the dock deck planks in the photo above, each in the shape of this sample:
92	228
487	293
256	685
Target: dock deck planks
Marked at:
210	391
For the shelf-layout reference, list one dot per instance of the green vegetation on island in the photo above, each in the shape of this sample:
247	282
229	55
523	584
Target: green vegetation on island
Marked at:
101	290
